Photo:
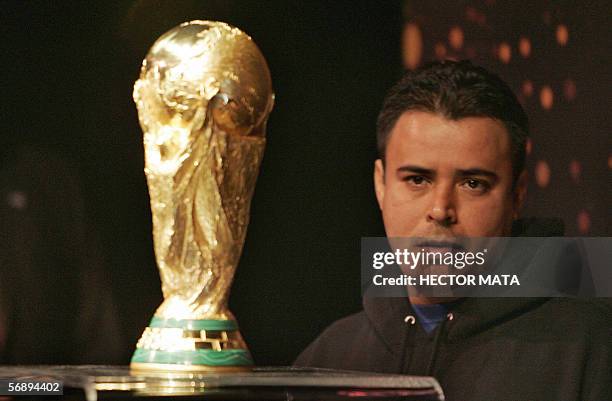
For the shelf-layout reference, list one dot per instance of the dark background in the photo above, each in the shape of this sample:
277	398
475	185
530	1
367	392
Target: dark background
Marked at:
68	70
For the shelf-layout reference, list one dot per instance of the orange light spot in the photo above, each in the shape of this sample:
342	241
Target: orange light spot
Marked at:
455	37
527	88
524	47
412	45
504	52
575	169
569	89
583	221
542	174
562	35
528	146
440	50
546	97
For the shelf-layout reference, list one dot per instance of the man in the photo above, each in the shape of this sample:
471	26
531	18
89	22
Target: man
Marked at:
451	138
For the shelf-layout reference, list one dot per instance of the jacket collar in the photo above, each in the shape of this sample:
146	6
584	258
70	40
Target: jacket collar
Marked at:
470	316
475	315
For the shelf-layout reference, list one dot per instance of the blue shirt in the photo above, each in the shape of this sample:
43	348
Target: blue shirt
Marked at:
430	316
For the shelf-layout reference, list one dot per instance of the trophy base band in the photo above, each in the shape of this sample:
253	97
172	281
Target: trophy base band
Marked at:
192	345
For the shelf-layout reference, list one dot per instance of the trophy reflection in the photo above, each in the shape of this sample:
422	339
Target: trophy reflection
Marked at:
203	98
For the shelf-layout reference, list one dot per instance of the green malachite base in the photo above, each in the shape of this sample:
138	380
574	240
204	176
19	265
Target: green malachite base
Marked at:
185	324
231	357
198	357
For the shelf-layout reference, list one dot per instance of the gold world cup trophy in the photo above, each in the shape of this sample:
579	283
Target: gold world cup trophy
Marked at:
203	98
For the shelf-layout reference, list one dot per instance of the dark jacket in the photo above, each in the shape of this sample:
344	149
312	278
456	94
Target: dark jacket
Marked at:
488	349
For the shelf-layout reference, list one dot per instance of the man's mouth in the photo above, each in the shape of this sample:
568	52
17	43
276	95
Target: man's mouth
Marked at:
440	246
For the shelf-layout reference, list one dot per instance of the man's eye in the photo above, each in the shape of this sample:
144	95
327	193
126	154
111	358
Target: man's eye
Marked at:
477	185
415	179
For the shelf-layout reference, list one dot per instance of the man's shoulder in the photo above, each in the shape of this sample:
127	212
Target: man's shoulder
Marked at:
357	319
590	315
337	339
587	310
575	322
342	329
555	316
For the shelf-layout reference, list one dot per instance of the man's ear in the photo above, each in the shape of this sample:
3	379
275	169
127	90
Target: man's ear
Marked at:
379	182
520	193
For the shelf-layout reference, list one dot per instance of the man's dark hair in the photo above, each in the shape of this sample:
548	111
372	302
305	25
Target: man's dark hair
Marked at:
456	90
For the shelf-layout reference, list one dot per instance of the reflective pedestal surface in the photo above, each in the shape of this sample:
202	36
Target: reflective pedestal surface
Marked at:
92	383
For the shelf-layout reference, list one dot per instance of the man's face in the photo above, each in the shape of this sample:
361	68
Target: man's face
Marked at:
445	178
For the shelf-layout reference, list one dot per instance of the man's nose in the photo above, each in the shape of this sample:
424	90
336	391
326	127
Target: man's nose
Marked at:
442	209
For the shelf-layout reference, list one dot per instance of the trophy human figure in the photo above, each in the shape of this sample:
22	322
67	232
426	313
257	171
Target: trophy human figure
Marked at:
203	98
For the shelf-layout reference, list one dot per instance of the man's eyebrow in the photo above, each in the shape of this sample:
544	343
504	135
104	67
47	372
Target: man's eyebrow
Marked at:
415	169
463	173
478	171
